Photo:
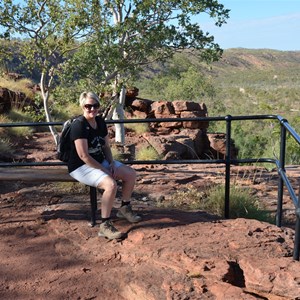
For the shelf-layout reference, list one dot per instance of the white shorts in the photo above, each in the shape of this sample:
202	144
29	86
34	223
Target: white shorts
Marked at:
91	176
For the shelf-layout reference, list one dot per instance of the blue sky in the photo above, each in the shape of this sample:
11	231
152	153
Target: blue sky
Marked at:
257	24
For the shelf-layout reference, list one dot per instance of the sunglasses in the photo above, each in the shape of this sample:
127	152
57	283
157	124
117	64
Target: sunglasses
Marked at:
89	106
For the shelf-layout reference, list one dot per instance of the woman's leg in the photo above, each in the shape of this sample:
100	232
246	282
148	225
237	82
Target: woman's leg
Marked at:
107	229
98	178
109	186
128	177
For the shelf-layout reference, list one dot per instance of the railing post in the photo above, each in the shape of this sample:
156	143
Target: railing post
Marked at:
281	168
297	229
228	119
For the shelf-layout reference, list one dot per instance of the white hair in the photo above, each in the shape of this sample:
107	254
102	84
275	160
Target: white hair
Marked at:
85	95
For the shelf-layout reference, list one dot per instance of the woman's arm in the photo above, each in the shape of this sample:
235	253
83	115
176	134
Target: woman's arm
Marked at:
107	151
109	157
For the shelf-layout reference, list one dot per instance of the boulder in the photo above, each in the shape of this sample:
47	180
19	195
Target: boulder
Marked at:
180	106
201	144
141	105
200	140
194	124
217	148
162	108
173	125
174	146
136	114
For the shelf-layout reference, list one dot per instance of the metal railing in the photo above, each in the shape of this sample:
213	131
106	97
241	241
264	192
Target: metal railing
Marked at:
279	163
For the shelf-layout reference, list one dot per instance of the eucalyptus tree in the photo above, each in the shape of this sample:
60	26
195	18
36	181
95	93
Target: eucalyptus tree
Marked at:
127	35
115	39
49	30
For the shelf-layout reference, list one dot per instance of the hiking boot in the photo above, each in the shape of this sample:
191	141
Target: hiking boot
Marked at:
108	230
125	212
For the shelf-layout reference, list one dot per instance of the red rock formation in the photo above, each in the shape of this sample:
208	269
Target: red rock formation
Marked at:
190	135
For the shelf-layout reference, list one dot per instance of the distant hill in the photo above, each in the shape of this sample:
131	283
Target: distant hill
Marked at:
260	59
246	81
236	60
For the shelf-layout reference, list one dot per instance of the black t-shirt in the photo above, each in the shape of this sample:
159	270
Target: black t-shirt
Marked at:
81	129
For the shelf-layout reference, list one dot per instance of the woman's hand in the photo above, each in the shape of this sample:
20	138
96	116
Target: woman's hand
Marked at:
112	168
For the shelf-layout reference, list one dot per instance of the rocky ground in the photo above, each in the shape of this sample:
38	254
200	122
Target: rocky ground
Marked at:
49	251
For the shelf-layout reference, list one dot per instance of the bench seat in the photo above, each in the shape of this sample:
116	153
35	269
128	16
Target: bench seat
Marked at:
35	174
49	174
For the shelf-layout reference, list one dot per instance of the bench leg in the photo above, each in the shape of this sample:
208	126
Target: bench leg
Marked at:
93	198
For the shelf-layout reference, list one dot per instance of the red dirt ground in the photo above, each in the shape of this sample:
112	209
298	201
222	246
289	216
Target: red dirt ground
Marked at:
49	251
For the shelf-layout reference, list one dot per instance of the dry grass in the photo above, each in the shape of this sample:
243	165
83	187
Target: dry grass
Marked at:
18	86
244	200
71	187
3	119
147	153
138	128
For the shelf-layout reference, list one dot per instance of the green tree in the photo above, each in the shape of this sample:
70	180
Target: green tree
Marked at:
49	30
116	38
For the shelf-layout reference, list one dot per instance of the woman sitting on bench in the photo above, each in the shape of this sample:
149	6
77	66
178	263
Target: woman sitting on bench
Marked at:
91	163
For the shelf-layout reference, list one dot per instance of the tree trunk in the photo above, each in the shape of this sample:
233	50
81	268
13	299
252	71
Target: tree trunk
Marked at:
45	95
118	114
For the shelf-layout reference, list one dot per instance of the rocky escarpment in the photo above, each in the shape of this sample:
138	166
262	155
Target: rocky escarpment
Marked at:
178	139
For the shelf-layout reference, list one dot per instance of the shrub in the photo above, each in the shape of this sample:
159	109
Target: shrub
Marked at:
115	153
64	112
189	198
21	131
147	153
16	115
243	202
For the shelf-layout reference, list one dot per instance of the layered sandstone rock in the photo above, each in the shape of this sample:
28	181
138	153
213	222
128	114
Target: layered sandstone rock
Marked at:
179	139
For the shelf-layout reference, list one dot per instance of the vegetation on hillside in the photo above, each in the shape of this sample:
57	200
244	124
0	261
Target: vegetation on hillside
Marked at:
243	82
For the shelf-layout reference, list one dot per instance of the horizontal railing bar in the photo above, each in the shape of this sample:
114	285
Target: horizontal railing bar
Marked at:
146	162
161	120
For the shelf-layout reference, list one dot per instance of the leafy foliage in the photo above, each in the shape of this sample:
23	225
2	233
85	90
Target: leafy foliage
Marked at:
105	42
125	36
